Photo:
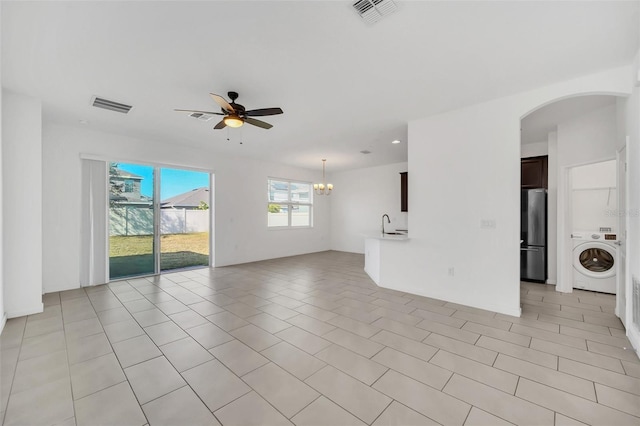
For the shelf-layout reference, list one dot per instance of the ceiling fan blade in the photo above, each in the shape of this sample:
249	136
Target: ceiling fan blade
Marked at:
263	111
222	102
198	111
220	125
258	123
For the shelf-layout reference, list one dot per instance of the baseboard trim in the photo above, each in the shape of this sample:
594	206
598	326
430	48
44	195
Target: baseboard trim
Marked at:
55	290
36	309
634	338
511	311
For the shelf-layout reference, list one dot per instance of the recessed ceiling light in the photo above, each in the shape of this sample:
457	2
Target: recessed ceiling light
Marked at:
395	142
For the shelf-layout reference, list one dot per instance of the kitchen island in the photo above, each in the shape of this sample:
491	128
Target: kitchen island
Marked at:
374	245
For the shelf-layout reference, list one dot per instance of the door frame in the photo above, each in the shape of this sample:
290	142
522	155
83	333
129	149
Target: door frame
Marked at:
623	309
565	225
156	211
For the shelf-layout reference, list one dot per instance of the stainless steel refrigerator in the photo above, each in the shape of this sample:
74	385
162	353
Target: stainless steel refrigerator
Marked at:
533	235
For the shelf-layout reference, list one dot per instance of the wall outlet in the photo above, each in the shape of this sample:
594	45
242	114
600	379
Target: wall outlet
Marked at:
488	224
452	272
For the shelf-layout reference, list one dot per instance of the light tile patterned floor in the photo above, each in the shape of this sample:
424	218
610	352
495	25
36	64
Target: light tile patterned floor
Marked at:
311	340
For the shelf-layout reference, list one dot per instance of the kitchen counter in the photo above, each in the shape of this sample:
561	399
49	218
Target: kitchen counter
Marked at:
387	237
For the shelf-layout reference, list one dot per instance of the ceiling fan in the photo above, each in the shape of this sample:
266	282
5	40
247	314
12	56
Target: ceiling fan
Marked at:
235	115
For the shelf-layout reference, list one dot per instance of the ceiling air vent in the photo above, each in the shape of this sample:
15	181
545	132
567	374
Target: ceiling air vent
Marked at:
200	116
371	11
110	105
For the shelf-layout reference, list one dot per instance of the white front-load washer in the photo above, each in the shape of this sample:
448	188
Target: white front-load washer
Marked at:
594	261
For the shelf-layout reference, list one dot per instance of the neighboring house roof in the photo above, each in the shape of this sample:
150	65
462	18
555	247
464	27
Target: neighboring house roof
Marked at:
189	199
119	173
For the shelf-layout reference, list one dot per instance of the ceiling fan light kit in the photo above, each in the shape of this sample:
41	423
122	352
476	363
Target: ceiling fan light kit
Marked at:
323	188
233	121
235	115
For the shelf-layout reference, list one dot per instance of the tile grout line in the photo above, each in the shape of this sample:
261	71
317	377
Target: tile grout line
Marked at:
13	376
575	396
251	286
187	384
66	346
381	412
117	359
303	408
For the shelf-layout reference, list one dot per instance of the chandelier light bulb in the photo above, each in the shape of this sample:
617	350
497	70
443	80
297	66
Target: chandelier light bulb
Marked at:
323	188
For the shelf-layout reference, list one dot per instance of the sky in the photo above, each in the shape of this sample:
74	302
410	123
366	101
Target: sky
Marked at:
172	181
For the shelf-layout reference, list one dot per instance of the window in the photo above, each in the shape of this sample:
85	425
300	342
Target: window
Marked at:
289	204
128	185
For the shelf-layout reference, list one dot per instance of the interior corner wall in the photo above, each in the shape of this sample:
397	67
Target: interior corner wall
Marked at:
240	199
465	198
360	199
22	217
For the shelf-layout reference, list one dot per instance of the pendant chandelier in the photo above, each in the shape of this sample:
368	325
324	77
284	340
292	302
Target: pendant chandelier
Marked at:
323	188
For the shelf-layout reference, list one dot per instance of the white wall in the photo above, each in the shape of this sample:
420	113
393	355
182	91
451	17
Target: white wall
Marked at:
22	216
464	167
536	149
240	204
589	138
594	196
595	176
632	131
360	199
3	316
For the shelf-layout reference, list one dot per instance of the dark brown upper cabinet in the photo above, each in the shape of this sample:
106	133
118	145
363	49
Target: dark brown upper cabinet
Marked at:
533	172
404	191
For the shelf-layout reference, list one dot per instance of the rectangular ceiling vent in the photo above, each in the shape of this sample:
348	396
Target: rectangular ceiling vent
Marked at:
200	116
110	105
371	11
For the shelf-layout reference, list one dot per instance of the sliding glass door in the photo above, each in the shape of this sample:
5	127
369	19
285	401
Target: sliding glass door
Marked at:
158	219
184	219
131	220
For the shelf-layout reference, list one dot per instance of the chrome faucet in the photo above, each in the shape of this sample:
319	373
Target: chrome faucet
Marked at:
388	221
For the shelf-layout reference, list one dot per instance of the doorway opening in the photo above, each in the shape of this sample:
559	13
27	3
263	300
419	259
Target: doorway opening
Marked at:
572	131
159	219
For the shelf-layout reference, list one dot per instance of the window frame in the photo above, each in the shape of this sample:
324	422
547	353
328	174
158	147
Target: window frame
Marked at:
289	203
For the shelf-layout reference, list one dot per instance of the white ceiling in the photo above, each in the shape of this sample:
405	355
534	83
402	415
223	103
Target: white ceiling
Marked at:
536	126
344	86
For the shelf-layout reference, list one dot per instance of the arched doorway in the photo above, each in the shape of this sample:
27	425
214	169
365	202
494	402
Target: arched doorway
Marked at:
568	132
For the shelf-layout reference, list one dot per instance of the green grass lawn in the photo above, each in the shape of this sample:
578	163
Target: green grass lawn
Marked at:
133	255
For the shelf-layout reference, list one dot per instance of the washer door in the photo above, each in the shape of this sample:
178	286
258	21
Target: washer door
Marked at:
595	259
